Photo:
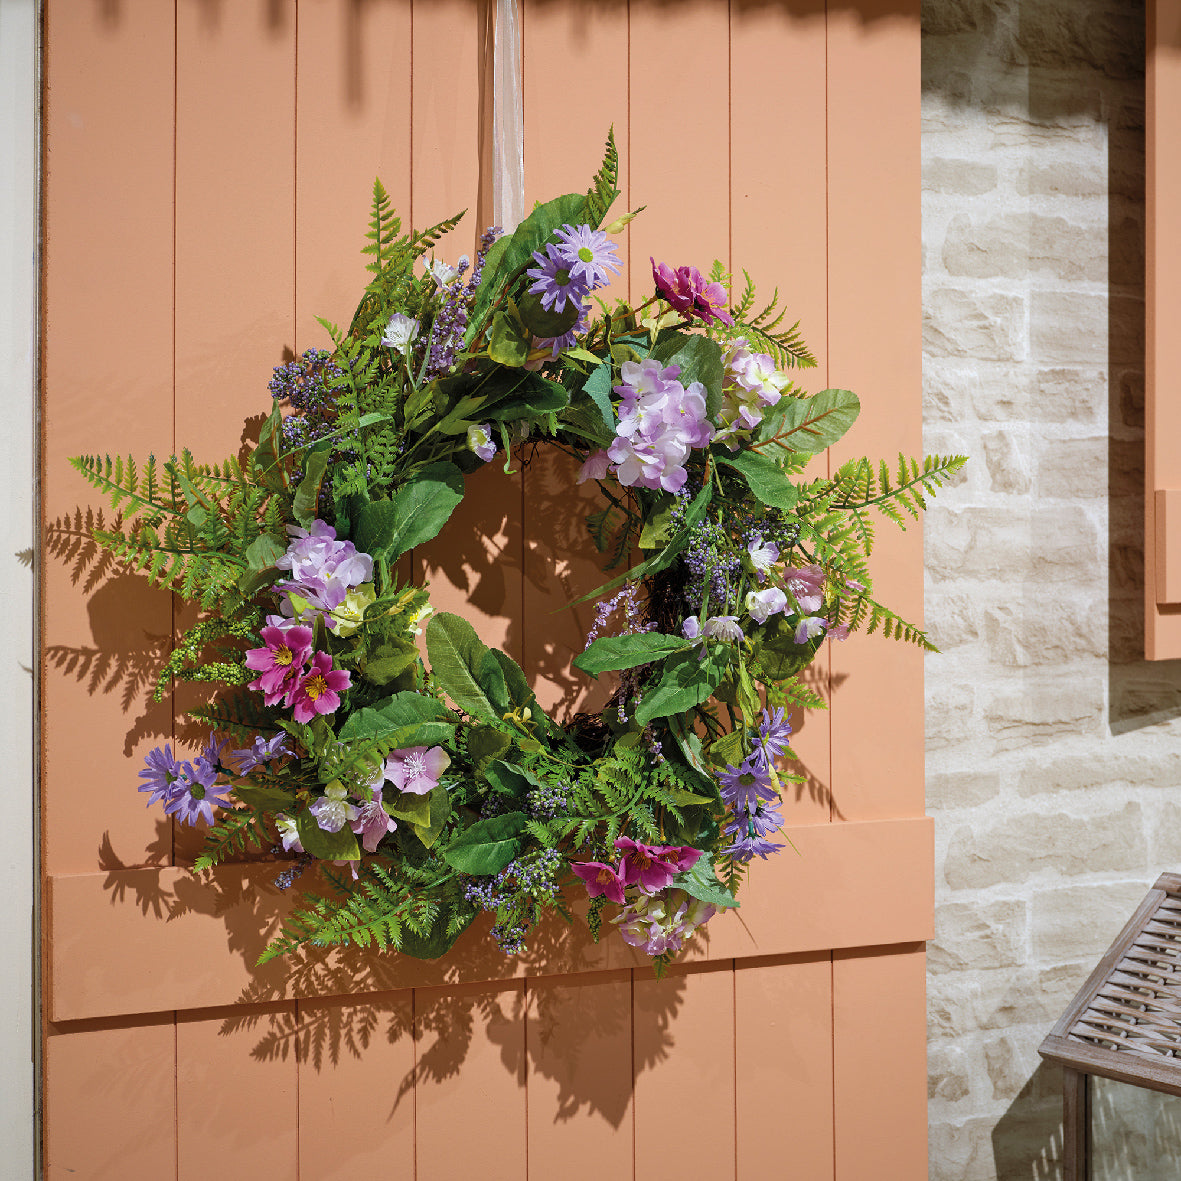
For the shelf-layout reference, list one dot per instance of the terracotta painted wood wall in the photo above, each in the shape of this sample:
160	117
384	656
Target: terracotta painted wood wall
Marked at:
207	169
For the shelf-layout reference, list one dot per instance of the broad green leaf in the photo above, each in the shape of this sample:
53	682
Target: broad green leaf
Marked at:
411	807
659	525
414	514
440	813
611	653
326	846
701	882
269	799
490	678
264	551
518	687
598	389
456	655
535	396
388	660
545	323
508	343
810	424
729	750
402	711
485	743
687	679
699	359
487	846
511	780
774	649
764	478
684	799
307	495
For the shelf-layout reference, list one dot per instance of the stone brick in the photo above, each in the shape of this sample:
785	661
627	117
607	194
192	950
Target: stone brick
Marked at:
1016	244
1073	469
985	544
1012	1062
1014	849
949	716
1068	395
1107	766
1062	177
961	789
1090	34
1082	920
1131	398
959	177
941	17
978	935
1008	469
951	620
947	1072
1046	711
1149	690
1048	631
1068	327
962	1002
959	324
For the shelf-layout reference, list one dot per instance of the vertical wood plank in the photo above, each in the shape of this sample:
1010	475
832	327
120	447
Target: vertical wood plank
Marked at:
235	1097
579	1036
106	386
356	1088
474	566
1162	630
353	124
684	1063
110	1100
874	325
783	1057
687	192
470	1058
577	38
1076	1125
780	236
879	1063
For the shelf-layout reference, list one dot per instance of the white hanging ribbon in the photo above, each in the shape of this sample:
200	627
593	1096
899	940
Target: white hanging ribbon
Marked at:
508	136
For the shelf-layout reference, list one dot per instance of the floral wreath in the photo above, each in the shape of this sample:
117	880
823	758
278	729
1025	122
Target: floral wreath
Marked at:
426	793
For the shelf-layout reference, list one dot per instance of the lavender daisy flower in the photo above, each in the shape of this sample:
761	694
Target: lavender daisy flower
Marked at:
774	731
194	800
261	751
591	254
163	776
742	788
554	281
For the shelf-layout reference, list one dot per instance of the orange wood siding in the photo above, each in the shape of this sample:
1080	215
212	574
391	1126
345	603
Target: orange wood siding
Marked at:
1162	531
207	173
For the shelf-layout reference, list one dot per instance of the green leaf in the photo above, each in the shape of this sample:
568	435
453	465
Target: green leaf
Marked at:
264	551
508	343
701	882
699	358
684	799
534	396
611	653
765	478
326	846
810	424
598	389
456	655
414	514
307	495
510	780
487	846
658	526
485	743
267	799
491	680
729	750
541	322
775	651
515	682
436	942
685	681
440	813
402	711
409	806
388	661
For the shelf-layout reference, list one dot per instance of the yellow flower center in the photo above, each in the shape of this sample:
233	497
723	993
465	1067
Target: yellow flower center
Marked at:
283	656
315	687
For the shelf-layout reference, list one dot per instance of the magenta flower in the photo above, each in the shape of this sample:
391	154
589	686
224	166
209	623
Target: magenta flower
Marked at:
652	867
280	663
687	291
319	691
601	878
416	769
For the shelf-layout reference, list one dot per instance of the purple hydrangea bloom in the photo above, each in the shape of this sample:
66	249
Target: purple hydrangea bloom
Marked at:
661	923
322	569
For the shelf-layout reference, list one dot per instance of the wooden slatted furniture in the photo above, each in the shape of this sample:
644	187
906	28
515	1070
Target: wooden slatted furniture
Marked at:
1125	1022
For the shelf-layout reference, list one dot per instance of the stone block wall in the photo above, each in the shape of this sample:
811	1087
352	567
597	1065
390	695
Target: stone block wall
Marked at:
1053	748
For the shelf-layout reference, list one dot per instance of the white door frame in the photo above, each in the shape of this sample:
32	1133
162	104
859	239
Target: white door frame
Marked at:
19	256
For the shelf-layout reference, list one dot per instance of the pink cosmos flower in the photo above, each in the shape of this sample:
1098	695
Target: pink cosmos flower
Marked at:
652	867
319	691
281	662
416	769
807	584
687	291
601	878
373	822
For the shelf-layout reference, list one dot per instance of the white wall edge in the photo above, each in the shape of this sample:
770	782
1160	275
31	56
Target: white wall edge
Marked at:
19	1031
